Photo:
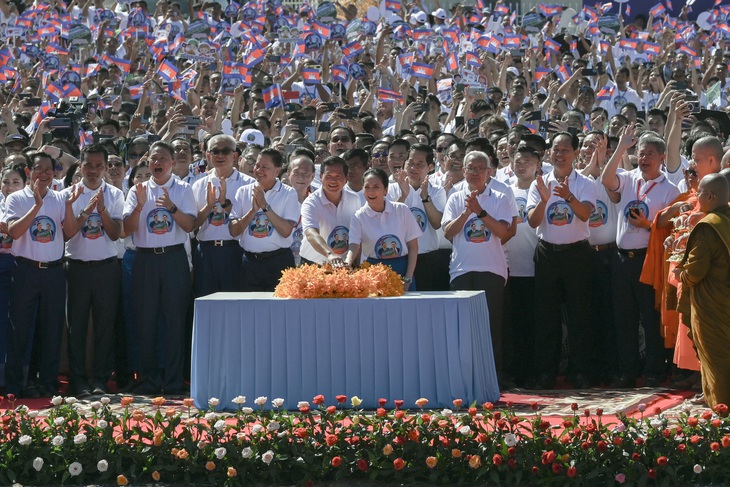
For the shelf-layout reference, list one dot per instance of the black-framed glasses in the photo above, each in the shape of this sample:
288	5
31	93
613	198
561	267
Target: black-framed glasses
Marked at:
340	139
225	151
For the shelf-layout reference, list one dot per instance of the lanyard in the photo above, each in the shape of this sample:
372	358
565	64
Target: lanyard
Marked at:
638	189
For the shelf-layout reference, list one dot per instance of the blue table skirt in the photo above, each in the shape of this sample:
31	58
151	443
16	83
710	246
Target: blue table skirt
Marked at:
426	344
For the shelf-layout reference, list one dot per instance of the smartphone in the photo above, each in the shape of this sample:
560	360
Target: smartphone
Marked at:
60	123
291	107
472	123
303	125
101	138
324	127
641	114
152	138
33	102
422	108
275	59
590	72
23	96
680	85
649	65
193	121
535	116
634	212
600	69
458	122
422	92
47	138
544	128
331	106
459	88
573	131
517	53
350	112
478	93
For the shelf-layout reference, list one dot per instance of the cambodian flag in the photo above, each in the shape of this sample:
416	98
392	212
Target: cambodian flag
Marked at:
393	5
628	44
339	73
605	7
272	96
352	49
54	91
422	70
473	60
254	57
552	45
657	10
167	70
501	9
86	137
511	42
605	93
563	73
70	90
389	95
651	48
452	63
687	50
311	76
234	70
321	29
136	91
541	71
549	10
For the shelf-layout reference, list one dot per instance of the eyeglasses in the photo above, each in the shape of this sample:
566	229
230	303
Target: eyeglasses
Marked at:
132	155
340	139
225	151
475	170
378	155
440	149
116	164
58	167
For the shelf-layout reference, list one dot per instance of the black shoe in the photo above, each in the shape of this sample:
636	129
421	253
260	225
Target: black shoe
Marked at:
581	382
80	390
98	388
146	389
47	391
31	392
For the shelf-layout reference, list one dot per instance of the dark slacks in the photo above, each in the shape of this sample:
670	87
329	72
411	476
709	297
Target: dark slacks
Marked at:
262	271
604	323
634	304
493	287
562	275
519	327
432	270
217	268
93	287
161	288
7	265
37	293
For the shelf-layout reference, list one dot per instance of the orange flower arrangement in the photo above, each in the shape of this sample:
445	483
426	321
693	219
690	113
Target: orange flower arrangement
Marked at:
314	281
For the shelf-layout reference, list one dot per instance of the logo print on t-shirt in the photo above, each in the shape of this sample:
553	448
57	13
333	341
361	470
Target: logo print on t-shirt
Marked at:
559	214
476	232
619	102
159	221
642	208
218	216
388	247
260	227
93	227
339	239
6	242
420	217
599	216
521	209
43	229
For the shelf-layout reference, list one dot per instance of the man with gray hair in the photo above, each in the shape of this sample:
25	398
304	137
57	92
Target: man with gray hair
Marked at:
475	220
639	194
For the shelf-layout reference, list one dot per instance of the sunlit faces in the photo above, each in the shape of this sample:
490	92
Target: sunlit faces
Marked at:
355	170
476	172
11	182
374	191
301	172
397	155
42	171
265	171
161	162
562	153
93	169
455	159
525	165
142	175
221	152
703	161
417	167
333	178
340	141
588	147
650	160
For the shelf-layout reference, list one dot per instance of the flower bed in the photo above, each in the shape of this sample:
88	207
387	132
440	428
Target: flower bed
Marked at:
314	281
341	443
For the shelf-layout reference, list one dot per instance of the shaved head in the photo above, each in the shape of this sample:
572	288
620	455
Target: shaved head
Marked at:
726	173
717	185
725	160
707	153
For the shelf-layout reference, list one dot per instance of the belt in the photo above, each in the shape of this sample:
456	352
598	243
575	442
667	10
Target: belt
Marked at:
217	243
631	253
39	265
265	255
562	247
607	246
91	263
160	250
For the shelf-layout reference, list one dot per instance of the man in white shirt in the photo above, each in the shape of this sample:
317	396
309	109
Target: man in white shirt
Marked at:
622	94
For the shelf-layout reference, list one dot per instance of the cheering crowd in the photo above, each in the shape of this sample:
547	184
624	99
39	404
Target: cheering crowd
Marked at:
551	159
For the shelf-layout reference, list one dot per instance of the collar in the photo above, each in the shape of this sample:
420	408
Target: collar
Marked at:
373	213
170	182
101	187
656	180
276	187
571	177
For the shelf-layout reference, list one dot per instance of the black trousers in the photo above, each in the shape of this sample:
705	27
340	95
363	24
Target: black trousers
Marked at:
634	304
432	270
161	289
37	293
92	288
262	273
602	318
493	287
519	327
217	269
562	275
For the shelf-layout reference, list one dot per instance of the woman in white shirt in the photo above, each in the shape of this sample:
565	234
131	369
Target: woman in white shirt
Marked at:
380	228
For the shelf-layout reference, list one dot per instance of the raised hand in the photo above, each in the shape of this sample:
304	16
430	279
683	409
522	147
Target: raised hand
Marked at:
165	200
141	193
562	190
472	203
628	138
403	182
542	189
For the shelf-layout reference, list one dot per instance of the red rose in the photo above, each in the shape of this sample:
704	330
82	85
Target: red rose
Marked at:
501	424
618	441
304	409
651	473
721	409
487	405
381	413
662	461
726	441
666	433
340	398
657	411
639	441
567	424
399	463
574	406
331	440
509	404
512	463
694	439
11	397
534	406
414	435
497	459
481	437
399	414
362	465
548	441
544	424
565	439
599	412
557	468
457	403
682	447
382	402
331	409
535	470
497	415
635	457
398	403
693	421
300	433
587	412
318	399
707	415
425	418
679	430
714	446
585	446
472	411
572	472
336	461
511	451
551	456
602	446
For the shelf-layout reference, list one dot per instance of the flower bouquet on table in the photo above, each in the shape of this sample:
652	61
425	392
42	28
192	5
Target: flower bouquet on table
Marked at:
683	225
316	282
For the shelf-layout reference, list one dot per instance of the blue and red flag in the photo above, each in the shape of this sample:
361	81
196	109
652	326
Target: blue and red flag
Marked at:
352	49
657	10
339	73
472	59
452	63
393	5
272	96
552	45
387	95
311	76
511	42
167	70
54	91
501	9
254	57
541	71
605	93
422	70
563	73
136	91
549	10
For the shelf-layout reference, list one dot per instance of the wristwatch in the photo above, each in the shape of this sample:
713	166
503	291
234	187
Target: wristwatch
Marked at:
482	214
173	210
268	207
407	280
570	198
426	199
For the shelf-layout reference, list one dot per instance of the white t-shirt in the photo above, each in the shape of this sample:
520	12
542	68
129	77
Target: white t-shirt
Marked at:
604	218
475	249
648	197
308	90
521	247
559	225
428	241
92	242
332	222
619	99
384	235
260	235
157	227
43	241
215	227
6	243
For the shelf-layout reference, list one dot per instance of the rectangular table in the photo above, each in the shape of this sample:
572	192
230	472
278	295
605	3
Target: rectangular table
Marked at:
435	345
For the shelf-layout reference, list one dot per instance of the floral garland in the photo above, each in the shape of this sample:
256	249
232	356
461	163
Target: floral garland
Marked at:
466	446
314	281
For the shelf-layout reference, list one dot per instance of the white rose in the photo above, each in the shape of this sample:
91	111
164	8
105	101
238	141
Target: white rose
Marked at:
58	440
105	400
102	424
211	417
201	445
261	400
75	468
220	425
71	401
510	439
247	410
57	400
95	405
240	436
302	404
447	412
239	400
273	426
465	430
102	466
22	409
282	434
80	439
25	440
220	453
33	414
59	421
247	452
38	464
656	423
697	468
256	429
278	402
267	457
213	402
